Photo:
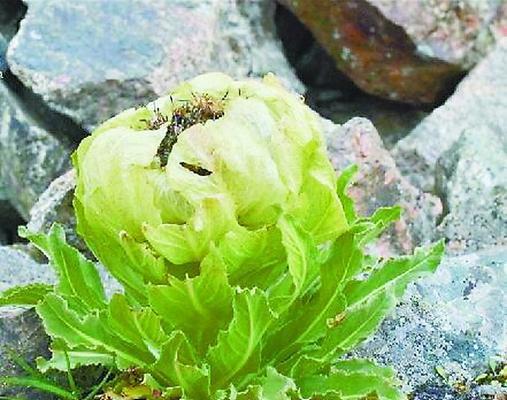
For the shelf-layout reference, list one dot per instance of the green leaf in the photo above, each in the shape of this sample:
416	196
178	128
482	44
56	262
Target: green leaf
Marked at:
302	260
368	229
272	386
78	357
319	209
354	379
190	242
144	261
28	295
350	386
136	326
237	351
356	324
253	257
343	183
113	258
345	258
306	366
199	306
301	251
396	273
91	332
308	322
276	386
177	367
78	279
359	365
253	392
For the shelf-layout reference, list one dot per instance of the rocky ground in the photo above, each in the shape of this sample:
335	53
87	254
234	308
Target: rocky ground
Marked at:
430	74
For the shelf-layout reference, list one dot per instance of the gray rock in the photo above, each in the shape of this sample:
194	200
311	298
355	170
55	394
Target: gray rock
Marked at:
454	320
480	99
472	180
379	184
99	57
30	156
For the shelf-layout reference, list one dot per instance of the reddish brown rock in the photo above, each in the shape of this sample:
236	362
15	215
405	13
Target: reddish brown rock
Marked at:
408	50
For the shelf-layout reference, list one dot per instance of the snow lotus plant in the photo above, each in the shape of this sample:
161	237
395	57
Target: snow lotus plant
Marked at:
217	164
239	250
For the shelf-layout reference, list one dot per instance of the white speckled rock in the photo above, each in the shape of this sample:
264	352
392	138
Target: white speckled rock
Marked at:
98	57
455	320
472	180
480	99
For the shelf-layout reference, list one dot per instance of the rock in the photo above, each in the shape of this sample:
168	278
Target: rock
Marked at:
479	100
453	321
55	205
99	57
379	183
30	155
471	178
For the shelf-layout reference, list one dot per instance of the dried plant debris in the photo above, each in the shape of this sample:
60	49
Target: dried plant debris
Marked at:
198	110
